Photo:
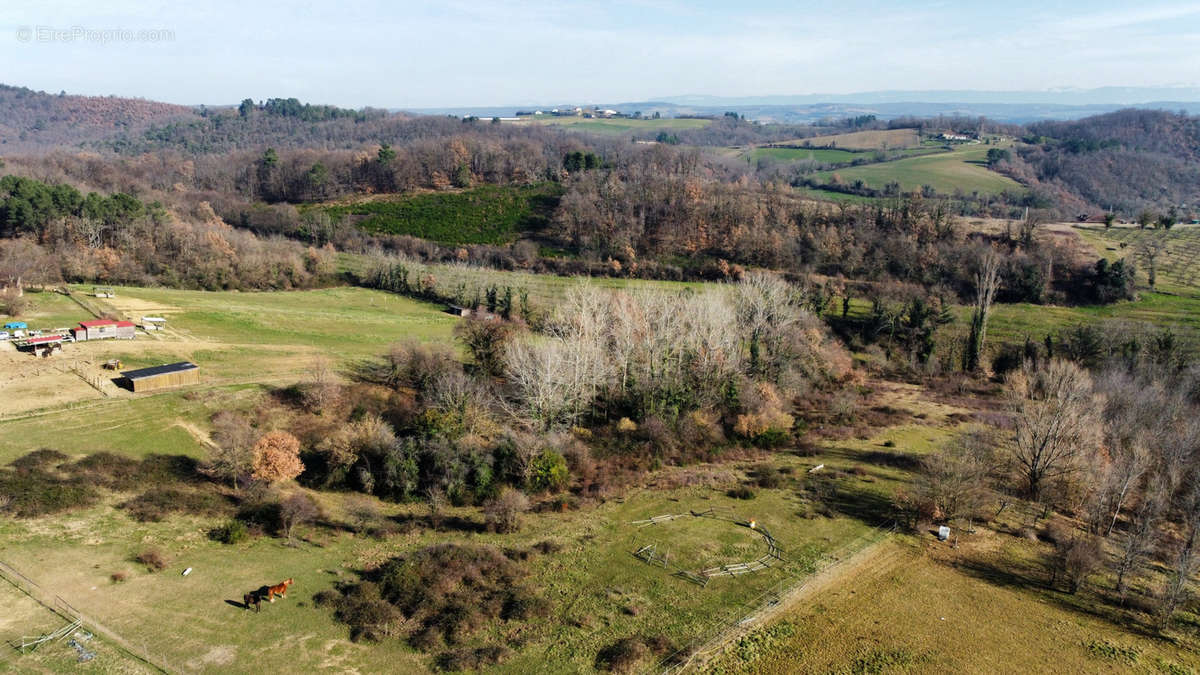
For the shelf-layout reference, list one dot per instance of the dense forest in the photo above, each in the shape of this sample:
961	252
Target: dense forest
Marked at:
1125	162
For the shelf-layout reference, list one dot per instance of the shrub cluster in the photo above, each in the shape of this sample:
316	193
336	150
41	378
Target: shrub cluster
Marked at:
627	654
441	594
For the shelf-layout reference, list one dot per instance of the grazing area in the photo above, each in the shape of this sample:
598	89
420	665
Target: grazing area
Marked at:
890	139
595	590
617	126
481	215
820	155
915	607
963	169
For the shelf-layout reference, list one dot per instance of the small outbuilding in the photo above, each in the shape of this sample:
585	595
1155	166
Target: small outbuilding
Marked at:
162	377
43	345
103	329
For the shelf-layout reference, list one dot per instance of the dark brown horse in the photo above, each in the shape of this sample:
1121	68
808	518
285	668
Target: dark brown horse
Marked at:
254	598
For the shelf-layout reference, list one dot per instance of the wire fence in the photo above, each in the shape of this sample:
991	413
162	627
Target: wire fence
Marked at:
64	609
733	621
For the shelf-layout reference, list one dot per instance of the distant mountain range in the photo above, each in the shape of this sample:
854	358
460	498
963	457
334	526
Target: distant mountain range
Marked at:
1061	97
1005	106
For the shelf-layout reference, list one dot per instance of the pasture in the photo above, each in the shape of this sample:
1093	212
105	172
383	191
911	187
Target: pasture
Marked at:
822	155
618	126
487	214
599	592
885	139
881	610
241	341
962	169
247	342
922	607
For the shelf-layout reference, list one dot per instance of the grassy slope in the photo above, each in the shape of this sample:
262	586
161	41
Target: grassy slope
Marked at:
138	427
342	320
488	214
544	289
963	168
22	617
831	155
51	310
235	338
892	139
826	155
910	610
619	126
593	580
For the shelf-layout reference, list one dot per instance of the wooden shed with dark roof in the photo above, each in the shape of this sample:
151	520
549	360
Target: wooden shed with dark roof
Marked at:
162	377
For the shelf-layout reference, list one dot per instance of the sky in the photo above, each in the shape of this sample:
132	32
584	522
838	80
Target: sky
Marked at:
460	53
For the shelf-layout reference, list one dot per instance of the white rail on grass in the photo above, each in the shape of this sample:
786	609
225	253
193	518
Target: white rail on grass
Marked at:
64	609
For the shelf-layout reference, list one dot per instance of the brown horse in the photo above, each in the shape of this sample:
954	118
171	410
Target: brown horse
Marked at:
254	598
279	589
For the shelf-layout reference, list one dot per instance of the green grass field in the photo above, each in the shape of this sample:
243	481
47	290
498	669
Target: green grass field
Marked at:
341	320
910	611
882	139
239	340
888	612
487	214
834	155
48	309
544	289
831	196
961	169
823	155
155	424
618	126
23	617
598	591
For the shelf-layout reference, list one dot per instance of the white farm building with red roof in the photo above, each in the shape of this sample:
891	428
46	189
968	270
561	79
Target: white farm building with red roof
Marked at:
103	329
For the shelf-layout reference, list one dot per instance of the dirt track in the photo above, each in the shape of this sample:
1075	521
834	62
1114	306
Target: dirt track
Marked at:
876	554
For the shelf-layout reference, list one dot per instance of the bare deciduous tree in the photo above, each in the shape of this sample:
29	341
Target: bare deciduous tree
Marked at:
987	281
503	512
435	497
321	389
1140	537
1056	422
23	262
1149	250
232	455
1185	560
1077	555
297	509
955	480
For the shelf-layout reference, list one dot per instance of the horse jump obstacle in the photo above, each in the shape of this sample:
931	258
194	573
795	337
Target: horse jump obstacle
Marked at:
32	643
649	553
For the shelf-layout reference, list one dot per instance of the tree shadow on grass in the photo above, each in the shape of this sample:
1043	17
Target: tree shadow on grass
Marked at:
440	524
1095	602
905	461
869	507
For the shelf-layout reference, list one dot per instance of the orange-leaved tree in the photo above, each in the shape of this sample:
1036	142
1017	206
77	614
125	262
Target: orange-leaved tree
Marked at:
277	457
